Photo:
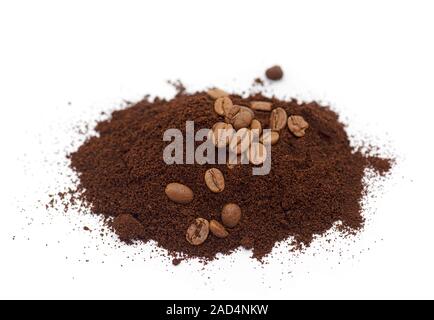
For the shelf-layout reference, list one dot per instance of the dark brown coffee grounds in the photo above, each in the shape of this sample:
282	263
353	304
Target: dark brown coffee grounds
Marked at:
128	228
380	165
315	182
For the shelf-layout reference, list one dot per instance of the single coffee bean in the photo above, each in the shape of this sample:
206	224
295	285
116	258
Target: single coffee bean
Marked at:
217	229
270	137
278	119
297	125
216	93
179	193
215	180
222	134
256	127
230	111
258	153
261	105
222	104
248	110
126	221
241	141
243	118
218	108
198	232
231	215
274	73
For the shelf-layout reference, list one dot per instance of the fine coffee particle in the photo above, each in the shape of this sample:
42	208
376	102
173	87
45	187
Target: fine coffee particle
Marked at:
179	193
231	215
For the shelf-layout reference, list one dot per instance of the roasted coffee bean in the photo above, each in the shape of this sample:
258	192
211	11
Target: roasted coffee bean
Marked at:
248	110
215	180
241	141
230	111
179	193
274	73
270	137
222	104
297	125
231	215
261	105
243	118
278	119
257	153
198	232
216	93
217	229
256	127
222	134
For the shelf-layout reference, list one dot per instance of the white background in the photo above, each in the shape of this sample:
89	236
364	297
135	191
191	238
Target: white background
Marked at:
373	60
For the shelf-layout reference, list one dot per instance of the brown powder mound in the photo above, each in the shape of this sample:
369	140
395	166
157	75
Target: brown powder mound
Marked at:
315	181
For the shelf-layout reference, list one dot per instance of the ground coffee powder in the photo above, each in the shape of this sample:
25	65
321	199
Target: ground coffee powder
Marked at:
315	182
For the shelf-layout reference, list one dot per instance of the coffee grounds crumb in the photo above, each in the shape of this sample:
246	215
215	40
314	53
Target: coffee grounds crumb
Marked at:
87	229
128	228
380	165
176	261
247	242
178	85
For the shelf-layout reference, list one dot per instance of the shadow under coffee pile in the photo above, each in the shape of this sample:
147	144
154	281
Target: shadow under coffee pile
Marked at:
315	181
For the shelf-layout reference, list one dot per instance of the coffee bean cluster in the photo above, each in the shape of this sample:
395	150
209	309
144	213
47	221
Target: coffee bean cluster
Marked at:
240	124
199	230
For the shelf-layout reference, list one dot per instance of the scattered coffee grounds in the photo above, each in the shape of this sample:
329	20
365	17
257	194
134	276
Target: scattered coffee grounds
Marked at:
315	182
274	73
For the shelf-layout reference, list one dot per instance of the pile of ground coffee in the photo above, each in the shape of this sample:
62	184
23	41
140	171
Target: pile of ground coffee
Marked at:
316	178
